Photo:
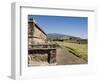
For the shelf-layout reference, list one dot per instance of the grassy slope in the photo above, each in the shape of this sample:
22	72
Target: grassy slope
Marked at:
79	50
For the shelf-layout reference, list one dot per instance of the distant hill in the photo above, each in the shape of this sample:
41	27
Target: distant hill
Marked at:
53	36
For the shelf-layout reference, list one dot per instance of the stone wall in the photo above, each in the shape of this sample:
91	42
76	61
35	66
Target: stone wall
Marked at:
39	36
36	33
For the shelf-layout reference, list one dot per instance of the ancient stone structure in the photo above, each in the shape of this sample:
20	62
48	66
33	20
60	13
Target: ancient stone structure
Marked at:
35	34
39	50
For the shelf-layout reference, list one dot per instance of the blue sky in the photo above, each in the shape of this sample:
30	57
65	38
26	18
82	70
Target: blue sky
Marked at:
74	26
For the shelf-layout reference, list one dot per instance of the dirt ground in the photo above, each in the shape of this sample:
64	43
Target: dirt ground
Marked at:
64	57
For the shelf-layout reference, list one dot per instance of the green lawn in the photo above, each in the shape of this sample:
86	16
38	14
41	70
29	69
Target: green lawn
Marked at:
79	50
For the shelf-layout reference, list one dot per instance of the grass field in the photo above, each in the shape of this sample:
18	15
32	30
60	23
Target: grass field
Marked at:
80	50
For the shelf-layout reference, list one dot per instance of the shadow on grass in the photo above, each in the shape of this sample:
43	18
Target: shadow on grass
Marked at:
73	51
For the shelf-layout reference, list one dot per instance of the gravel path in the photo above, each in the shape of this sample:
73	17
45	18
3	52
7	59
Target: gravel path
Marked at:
64	57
